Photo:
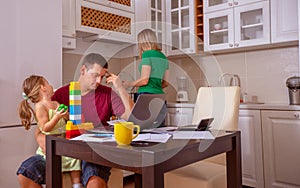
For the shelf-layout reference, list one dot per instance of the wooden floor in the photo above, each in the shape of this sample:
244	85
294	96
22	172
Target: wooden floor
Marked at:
129	182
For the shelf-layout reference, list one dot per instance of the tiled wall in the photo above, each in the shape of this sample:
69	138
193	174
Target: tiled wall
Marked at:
262	72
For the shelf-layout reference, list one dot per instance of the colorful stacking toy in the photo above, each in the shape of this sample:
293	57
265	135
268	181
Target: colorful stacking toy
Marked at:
75	126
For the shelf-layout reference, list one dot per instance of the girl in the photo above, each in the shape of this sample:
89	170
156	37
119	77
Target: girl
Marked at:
154	66
50	120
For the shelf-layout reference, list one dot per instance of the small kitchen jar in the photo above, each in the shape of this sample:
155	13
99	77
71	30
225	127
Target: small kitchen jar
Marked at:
293	84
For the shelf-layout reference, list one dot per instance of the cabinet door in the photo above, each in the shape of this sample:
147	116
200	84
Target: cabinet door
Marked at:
215	5
68	18
180	27
127	5
284	20
179	116
252	25
158	17
281	138
251	138
104	22
218	30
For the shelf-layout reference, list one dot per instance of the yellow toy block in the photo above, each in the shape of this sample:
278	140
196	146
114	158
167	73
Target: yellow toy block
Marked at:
82	126
74	86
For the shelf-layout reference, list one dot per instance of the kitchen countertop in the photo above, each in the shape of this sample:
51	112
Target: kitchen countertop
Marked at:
180	105
246	106
269	106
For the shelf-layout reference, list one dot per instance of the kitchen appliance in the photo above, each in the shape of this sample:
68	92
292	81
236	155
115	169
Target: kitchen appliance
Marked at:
293	84
182	94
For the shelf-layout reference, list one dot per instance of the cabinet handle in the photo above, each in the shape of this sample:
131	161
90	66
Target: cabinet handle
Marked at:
236	3
69	43
230	45
296	115
230	4
236	44
177	111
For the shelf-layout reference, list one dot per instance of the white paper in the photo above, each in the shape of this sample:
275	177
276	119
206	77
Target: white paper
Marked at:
165	130
94	138
162	138
112	122
193	135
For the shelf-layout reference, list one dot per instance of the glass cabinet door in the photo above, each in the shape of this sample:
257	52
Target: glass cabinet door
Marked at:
214	5
218	30
252	24
157	8
180	26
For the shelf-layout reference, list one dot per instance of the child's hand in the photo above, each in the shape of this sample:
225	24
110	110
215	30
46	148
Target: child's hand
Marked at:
62	111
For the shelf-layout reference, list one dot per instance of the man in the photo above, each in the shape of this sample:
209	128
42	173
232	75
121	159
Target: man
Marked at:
99	103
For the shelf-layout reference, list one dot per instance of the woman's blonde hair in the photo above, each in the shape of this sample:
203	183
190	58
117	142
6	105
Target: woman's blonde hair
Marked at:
147	40
31	88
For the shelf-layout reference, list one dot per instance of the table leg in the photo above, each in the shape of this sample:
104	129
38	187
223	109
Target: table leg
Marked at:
53	165
150	178
234	164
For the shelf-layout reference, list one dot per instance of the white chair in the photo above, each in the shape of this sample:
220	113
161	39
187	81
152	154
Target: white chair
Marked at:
221	103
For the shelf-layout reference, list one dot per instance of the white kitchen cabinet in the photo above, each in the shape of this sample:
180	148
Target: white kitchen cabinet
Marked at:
251	139
151	14
239	26
126	5
68	18
179	114
96	21
68	24
281	138
180	27
284	20
216	5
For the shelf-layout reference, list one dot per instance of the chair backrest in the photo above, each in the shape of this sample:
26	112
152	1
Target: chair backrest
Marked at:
221	103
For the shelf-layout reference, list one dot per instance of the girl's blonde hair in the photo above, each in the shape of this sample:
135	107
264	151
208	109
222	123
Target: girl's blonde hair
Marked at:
147	41
31	87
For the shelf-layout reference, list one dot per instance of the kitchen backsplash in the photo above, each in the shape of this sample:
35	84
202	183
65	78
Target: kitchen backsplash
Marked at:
263	73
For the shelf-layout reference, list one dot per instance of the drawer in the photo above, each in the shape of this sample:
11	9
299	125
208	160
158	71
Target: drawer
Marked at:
68	43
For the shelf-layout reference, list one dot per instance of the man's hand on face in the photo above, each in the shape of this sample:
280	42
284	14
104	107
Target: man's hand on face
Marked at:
114	79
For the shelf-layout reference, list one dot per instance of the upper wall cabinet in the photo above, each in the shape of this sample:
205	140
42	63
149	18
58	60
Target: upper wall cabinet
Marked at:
284	20
68	24
96	21
241	25
150	14
127	5
180	27
216	5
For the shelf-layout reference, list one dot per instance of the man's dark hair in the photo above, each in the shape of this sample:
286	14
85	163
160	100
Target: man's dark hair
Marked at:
92	58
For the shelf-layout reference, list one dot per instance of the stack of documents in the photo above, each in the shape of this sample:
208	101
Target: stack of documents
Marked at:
148	137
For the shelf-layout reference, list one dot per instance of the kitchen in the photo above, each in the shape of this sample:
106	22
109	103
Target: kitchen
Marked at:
32	43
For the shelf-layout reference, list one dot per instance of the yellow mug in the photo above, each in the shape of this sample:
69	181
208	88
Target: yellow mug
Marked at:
123	132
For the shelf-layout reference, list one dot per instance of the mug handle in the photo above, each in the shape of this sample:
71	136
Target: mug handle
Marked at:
137	131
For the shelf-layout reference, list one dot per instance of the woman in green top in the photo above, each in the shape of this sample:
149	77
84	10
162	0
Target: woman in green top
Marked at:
154	66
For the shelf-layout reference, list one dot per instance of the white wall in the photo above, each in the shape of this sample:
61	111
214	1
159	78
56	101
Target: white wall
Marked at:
30	35
30	44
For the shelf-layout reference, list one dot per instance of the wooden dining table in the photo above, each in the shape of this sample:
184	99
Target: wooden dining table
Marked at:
148	160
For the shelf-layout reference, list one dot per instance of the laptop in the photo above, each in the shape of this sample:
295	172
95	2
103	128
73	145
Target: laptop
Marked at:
149	111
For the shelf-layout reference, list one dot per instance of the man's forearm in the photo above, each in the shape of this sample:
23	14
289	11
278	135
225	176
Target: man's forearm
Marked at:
127	101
